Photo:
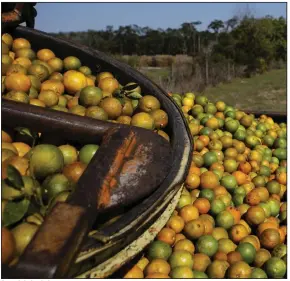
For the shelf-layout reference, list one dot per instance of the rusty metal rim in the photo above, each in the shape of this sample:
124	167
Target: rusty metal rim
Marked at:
108	267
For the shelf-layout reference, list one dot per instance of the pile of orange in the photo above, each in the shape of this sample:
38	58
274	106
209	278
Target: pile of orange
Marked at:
64	84
37	173
230	221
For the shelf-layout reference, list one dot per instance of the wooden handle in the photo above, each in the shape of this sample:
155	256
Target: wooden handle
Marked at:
56	244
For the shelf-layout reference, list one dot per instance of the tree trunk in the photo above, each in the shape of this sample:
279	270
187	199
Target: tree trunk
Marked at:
206	70
229	71
198	44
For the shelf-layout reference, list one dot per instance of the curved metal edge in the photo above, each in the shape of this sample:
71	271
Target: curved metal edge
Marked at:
182	142
114	263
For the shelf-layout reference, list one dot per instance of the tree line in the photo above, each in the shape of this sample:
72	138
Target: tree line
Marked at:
251	42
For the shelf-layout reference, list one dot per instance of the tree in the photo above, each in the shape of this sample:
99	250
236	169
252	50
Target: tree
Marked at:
216	25
231	23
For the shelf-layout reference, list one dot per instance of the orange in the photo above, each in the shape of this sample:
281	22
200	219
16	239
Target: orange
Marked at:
20	43
21	164
74	171
233	257
166	235
180	258
72	102
53	85
220	190
194	229
221	256
235	212
252	239
263	193
200	262
262	256
194	170
17	82
239	269
157	266
178	237
202	204
253	198
208	226
280	177
192	181
255	215
74	81
240	177
25	62
37	102
45	54
282	235
206	217
217	166
157	276
134	272
238	232
103	75
270	238
184	244
219	233
209	180
204	139
108	84
246	225
8	246
5	137
176	223
22	148
10	146
266	225
188	213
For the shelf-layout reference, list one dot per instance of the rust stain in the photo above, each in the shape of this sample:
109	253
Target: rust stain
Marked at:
130	166
131	147
113	183
110	180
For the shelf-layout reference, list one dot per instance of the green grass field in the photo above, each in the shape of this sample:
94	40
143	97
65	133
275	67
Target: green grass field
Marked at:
266	92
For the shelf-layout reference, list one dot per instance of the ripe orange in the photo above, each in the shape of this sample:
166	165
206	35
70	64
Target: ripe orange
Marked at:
235	212
8	246
240	177
188	213
166	235
238	232
192	181
184	244
157	266
176	223
202	204
209	180
134	272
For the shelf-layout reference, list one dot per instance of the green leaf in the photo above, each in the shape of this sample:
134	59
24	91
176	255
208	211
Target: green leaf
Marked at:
130	87
15	211
134	96
14	178
118	94
26	132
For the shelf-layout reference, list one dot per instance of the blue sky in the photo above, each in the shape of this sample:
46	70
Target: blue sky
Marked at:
56	17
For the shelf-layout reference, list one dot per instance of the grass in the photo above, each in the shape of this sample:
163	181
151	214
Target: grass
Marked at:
266	92
155	73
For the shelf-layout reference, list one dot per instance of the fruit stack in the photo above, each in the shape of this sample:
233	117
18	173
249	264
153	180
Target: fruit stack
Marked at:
230	221
37	173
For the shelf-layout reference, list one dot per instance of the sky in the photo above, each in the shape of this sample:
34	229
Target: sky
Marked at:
65	17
